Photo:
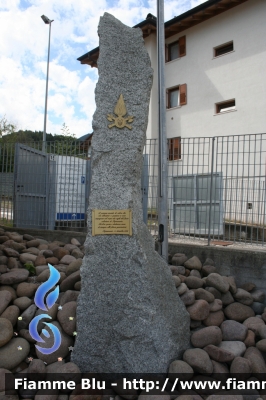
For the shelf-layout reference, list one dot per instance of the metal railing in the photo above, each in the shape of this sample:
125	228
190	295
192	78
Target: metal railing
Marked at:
216	187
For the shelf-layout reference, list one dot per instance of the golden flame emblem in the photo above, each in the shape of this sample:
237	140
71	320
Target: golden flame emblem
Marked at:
120	110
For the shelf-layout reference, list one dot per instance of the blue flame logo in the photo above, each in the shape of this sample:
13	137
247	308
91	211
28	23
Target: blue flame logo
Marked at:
50	301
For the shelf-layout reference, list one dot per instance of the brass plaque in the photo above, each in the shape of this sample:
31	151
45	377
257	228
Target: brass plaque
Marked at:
111	222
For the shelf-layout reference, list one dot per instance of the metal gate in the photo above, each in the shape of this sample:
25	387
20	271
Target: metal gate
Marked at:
194	203
30	188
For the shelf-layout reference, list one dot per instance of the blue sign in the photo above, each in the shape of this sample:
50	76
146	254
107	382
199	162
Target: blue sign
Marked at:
83	180
70	216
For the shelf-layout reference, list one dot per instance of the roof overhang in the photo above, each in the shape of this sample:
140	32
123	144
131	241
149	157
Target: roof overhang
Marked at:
193	17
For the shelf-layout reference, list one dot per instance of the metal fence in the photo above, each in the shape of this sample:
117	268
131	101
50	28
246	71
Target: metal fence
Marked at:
216	187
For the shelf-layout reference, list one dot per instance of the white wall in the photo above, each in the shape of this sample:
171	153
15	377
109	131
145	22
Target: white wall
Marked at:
239	75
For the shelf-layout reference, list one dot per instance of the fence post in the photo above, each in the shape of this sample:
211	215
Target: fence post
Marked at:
212	162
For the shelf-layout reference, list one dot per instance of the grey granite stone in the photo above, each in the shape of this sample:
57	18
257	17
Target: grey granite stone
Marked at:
132	321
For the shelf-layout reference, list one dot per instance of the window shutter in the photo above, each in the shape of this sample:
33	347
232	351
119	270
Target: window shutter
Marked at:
166	53
167	98
183	94
182	46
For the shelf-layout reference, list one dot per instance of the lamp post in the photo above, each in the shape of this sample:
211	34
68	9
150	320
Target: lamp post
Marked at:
163	164
48	21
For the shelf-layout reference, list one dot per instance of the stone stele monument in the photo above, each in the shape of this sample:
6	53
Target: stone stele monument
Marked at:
130	318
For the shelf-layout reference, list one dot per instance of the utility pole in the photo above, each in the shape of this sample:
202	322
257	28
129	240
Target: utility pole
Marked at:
46	20
163	148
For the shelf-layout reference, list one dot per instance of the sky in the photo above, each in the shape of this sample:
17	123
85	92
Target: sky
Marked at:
24	49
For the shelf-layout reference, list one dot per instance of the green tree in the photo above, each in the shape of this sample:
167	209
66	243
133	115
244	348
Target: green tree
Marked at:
6	127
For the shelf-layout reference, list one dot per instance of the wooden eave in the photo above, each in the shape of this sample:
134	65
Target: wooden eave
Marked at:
193	17
179	24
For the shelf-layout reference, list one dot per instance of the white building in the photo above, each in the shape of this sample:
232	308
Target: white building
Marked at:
215	86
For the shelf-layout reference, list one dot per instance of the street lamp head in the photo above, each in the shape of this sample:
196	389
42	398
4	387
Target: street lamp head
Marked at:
46	20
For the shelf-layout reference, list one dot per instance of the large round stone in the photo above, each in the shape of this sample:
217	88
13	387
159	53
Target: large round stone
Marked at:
216	305
11	290
202	294
243	297
250	339
218	282
218	354
74	266
5	298
258	295
60	252
179	259
233	330
254	324
181	368
22	302
214	318
26	289
70	281
6	331
240	365
256	360
236	347
199	310
67	259
11	313
261	345
17	275
188	298
193	282
199	360
13	353
26	317
238	312
67	317
205	336
25	257
193	263
227	298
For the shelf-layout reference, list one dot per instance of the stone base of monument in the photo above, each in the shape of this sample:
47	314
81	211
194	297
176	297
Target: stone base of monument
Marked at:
130	318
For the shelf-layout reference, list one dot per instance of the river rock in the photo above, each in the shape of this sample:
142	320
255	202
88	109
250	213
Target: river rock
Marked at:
219	354
26	289
6	331
218	282
133	314
181	368
22	303
256	360
74	266
26	317
60	252
11	313
11	290
214	318
254	323
238	312
179	259
193	282
202	294
243	297
13	353
193	263
26	257
240	365
70	281
258	295
236	347
188	298
199	310
233	330
5	298
205	336
199	360
17	275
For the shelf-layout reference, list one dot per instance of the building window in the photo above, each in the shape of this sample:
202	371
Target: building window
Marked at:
229	105
223	49
176	96
176	49
174	149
